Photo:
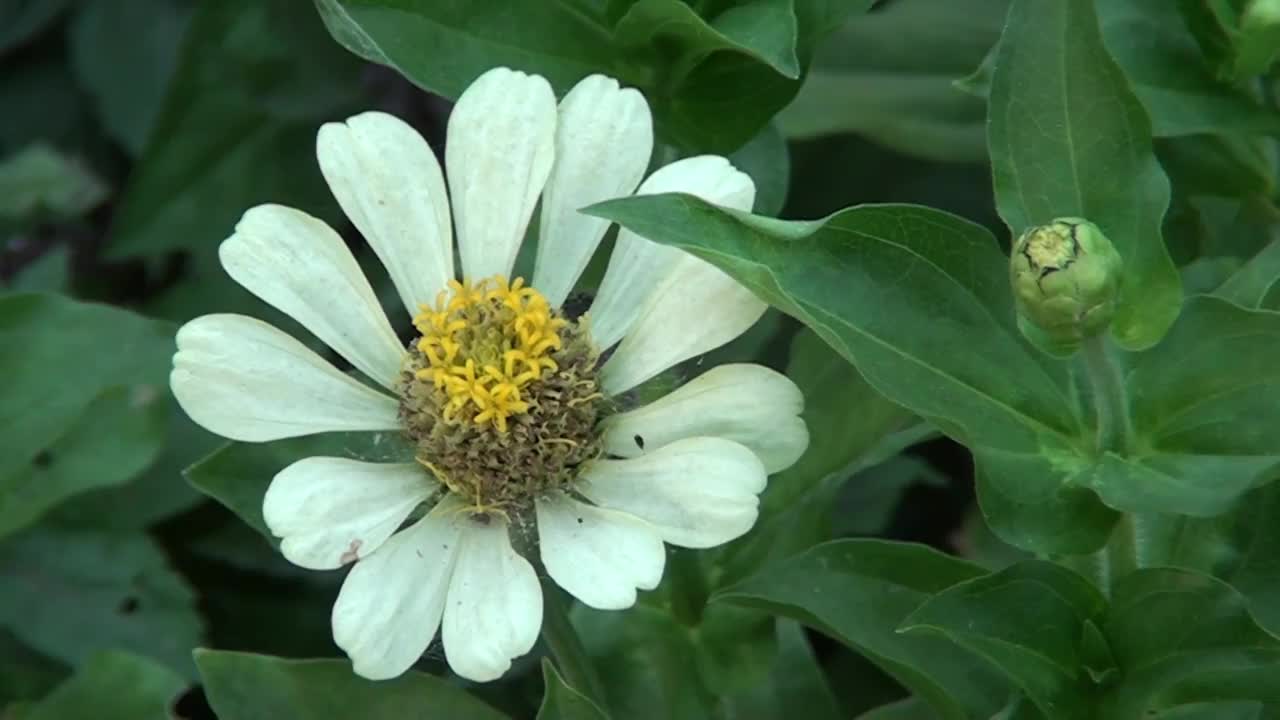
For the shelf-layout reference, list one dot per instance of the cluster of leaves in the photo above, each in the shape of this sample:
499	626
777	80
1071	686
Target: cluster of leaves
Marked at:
1071	589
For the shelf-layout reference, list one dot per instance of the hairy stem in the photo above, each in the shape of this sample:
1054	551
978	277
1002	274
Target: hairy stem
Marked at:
1109	398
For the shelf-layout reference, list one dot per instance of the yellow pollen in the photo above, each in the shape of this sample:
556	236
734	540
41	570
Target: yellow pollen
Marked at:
484	343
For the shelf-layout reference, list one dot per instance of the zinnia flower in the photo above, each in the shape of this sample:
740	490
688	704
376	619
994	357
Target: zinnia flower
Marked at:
524	436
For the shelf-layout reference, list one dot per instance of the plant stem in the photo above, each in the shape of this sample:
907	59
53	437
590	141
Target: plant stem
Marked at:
1109	399
565	645
1126	549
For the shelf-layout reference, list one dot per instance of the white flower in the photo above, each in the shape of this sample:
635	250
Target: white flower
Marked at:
512	415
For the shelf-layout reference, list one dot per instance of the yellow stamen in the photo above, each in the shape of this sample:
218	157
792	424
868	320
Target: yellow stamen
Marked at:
484	342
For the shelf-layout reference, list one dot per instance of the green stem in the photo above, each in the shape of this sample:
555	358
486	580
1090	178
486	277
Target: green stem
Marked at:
1126	550
1109	399
566	647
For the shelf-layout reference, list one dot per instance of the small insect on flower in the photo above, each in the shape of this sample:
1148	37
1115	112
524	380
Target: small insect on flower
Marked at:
524	447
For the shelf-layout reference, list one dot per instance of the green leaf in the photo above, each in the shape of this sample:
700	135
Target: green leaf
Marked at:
1184	95
112	686
767	160
561	702
1028	621
1256	572
442	45
237	474
1069	138
48	273
40	184
28	674
244	686
1231	166
127	73
237	127
71	593
909	709
796	505
858	592
1164	659
844	275
20	20
68	354
764	30
119	434
1250	284
870	78
1218	364
1240	710
796	684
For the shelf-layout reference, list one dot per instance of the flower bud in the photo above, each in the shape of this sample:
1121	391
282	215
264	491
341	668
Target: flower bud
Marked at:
1065	276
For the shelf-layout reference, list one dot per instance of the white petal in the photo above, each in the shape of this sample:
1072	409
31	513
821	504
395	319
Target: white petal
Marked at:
494	611
298	264
600	556
389	183
604	136
391	602
695	309
245	380
499	152
697	492
748	404
331	511
637	264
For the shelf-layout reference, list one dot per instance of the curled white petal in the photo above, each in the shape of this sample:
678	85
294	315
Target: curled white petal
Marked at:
604	137
494	609
600	556
696	308
245	380
390	185
638	265
391	602
697	492
749	404
331	511
298	264
498	154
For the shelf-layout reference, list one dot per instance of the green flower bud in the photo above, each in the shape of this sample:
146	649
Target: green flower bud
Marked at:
1065	276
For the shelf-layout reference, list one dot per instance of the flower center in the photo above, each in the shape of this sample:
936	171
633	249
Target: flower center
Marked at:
500	393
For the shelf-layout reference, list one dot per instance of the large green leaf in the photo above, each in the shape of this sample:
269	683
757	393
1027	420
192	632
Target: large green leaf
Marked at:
243	686
858	592
897	290
442	45
761	29
1167	661
1255	539
795	683
561	702
1069	138
237	127
71	593
60	356
111	686
119	434
1219	365
713	84
1027	620
20	20
871	78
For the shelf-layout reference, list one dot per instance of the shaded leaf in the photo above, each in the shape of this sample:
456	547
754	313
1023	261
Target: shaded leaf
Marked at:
1249	285
859	591
69	594
41	184
561	702
244	686
111	686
